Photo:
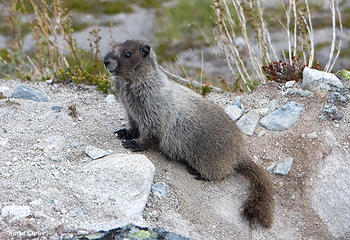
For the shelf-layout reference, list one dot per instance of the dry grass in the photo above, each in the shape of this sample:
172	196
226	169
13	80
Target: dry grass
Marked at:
246	19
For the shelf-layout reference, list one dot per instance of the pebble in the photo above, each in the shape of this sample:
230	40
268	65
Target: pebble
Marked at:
5	91
57	108
110	99
329	111
3	141
95	153
15	211
248	123
160	189
234	112
289	84
283	118
30	93
312	135
297	92
284	167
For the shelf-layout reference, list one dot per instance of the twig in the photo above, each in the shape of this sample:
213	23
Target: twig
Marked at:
185	81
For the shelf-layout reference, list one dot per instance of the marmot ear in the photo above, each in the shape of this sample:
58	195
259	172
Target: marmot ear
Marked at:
145	50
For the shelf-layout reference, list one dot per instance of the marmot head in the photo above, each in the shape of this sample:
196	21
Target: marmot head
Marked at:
129	59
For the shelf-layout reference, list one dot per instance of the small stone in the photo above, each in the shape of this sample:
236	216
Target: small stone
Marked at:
261	111
110	99
261	133
75	144
289	84
160	189
271	167
272	105
284	167
312	135
57	108
5	91
314	80
95	153
283	118
238	104
297	92
234	112
248	122
3	142
36	203
329	111
30	93
15	211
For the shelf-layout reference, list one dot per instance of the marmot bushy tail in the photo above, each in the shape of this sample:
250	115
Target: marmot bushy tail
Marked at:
257	209
184	125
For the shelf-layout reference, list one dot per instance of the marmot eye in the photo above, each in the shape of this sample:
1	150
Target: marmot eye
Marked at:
128	54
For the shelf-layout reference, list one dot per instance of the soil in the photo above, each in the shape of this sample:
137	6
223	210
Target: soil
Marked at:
193	208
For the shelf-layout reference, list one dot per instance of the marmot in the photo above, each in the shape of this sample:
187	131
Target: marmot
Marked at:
184	125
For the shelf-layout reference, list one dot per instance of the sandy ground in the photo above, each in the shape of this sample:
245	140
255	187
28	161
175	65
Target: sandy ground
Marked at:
197	209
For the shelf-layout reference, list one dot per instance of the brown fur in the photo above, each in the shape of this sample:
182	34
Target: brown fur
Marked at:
185	126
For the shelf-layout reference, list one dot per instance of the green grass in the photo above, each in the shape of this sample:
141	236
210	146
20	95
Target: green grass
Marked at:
96	6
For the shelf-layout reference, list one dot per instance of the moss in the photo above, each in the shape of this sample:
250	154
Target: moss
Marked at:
142	234
343	74
94	6
150	3
79	27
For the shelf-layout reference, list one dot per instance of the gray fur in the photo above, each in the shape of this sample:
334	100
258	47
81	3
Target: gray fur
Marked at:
185	126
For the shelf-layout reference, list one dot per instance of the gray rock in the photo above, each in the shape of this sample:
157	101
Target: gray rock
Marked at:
272	105
289	84
5	91
56	108
283	118
331	193
53	143
160	189
3	142
15	211
297	92
329	111
314	80
29	93
312	135
261	111
284	167
110	99
131	231
75	144
95	153
248	122
120	184
234	112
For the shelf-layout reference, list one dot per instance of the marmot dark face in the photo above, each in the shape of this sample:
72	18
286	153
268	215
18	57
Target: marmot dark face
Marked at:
126	59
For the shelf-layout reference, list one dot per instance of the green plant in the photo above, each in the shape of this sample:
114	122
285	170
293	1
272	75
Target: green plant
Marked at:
52	30
243	18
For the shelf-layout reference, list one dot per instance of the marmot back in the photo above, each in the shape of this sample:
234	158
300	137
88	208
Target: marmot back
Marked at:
185	126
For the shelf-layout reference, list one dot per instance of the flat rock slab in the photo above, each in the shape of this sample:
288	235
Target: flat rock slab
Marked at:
95	153
283	118
284	167
30	93
248	123
331	193
114	189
